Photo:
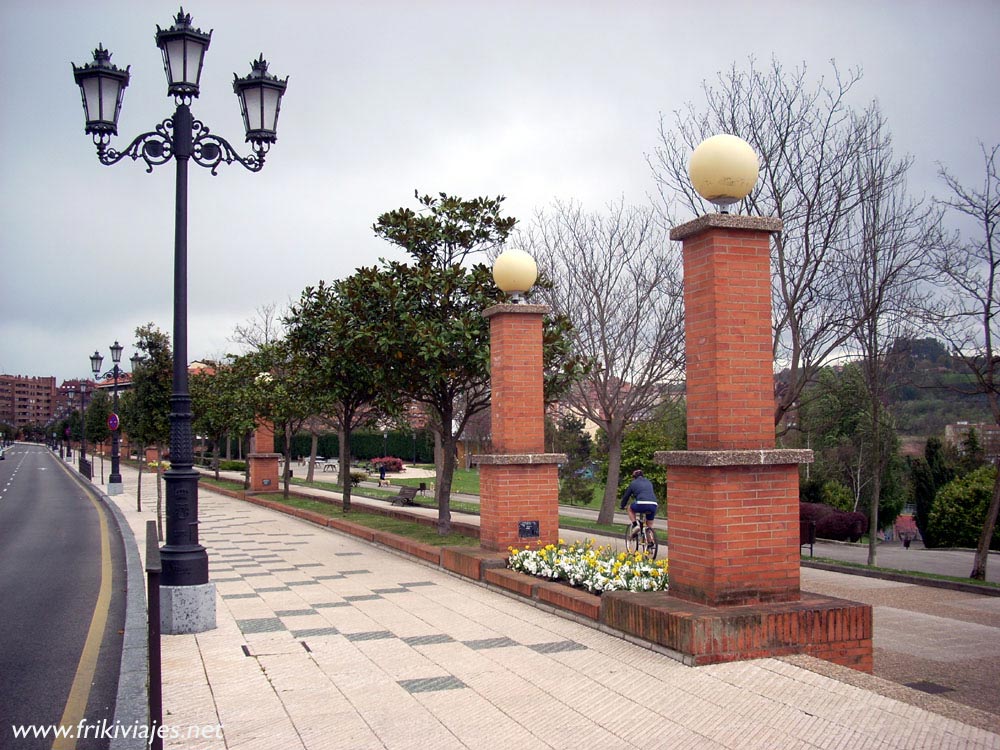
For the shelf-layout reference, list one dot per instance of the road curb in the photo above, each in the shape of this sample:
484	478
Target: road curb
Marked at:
969	588
132	700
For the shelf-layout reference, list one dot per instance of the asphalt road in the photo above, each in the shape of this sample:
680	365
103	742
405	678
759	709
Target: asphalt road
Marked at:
57	569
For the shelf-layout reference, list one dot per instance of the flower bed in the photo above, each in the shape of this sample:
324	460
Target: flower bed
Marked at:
596	569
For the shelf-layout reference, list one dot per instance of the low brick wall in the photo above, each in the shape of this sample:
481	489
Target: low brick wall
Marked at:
832	629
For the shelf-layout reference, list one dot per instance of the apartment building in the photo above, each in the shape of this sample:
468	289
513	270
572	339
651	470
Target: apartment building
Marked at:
27	400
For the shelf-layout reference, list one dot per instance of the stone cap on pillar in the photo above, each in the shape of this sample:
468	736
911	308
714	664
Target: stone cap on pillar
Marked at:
515	459
770	457
726	221
509	307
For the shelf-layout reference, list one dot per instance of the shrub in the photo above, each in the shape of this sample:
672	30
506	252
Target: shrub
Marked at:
232	465
357	477
813	511
391	463
959	510
834	524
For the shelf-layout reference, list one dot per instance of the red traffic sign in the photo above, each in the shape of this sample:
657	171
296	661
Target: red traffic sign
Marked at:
113	421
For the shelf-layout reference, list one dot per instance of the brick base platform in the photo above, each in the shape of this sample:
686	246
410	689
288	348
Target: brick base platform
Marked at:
832	629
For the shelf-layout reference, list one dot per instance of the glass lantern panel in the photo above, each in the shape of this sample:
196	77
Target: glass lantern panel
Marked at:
175	55
193	53
252	101
109	99
92	98
269	108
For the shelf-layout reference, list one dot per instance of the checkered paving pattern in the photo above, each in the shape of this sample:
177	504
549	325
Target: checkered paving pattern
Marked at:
326	642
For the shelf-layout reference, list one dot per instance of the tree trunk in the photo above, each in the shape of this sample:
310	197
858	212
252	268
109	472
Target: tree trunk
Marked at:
313	447
288	458
345	466
443	490
989	523
607	512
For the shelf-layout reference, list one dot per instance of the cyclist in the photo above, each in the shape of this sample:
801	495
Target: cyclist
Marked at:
640	491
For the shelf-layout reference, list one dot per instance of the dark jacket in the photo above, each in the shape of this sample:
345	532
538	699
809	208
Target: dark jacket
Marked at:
639	489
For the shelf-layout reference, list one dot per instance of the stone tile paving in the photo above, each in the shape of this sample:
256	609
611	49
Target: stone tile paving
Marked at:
935	640
324	652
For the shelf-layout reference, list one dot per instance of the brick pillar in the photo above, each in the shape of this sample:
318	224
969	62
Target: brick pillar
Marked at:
263	460
733	499
519	483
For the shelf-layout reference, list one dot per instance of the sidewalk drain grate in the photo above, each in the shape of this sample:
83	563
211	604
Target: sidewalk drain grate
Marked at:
432	684
929	687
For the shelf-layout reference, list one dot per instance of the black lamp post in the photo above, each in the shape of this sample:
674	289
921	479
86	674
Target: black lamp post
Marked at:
182	138
115	486
83	431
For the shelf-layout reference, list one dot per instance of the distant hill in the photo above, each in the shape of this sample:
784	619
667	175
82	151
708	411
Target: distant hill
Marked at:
932	389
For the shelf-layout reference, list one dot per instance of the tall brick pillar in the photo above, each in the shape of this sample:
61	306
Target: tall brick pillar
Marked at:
263	460
519	482
733	499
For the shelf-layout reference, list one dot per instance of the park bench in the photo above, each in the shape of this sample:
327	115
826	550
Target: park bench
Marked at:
405	496
807	535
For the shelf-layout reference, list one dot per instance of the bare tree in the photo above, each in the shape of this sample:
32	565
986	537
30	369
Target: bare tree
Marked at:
617	277
811	144
968	317
266	326
886	253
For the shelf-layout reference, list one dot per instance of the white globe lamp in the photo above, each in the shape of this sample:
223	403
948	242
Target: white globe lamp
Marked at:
515	272
723	169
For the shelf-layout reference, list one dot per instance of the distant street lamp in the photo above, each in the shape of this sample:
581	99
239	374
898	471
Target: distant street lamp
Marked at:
182	138
115	486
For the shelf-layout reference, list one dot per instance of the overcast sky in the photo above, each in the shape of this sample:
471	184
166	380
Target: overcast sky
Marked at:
531	100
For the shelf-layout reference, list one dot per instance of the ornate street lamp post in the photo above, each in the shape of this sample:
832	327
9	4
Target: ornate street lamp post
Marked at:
183	139
115	480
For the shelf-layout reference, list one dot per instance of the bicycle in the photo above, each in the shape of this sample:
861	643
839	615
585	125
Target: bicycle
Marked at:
641	542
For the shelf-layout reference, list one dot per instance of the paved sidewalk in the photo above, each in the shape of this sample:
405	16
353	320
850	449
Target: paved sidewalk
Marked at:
324	641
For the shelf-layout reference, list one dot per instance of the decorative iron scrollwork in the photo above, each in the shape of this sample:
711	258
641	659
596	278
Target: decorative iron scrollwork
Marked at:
155	148
211	150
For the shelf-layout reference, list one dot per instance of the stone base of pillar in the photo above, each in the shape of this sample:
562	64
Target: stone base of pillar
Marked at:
519	500
834	630
734	525
263	471
115	488
187	609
